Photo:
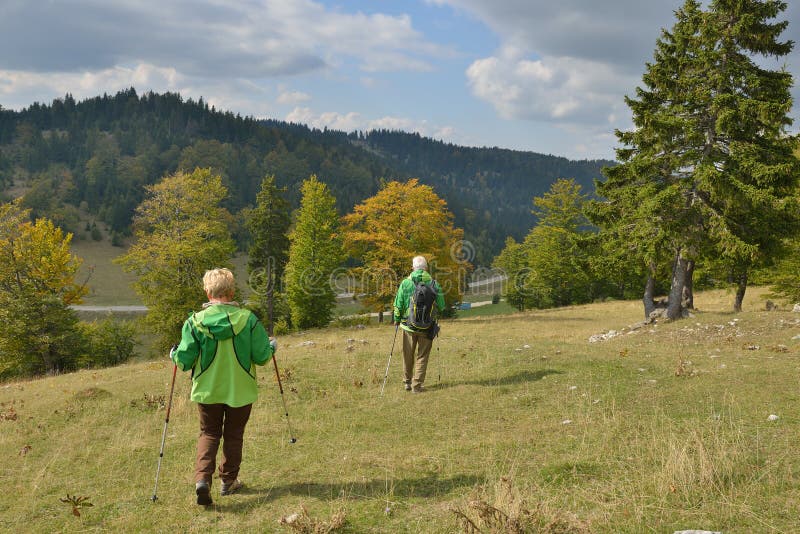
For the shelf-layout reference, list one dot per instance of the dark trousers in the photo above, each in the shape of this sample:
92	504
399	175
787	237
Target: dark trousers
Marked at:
220	422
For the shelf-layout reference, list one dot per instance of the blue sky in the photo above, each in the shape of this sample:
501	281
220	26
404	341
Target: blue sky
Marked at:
534	75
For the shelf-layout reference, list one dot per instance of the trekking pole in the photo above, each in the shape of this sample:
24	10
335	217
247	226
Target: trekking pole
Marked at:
385	376
164	434
292	439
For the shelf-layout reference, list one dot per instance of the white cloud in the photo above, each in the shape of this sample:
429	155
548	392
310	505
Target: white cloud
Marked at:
16	84
353	121
556	90
207	38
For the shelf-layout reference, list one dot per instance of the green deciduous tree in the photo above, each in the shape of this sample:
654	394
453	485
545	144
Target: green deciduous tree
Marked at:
551	267
181	231
268	224
314	254
388	229
708	168
37	286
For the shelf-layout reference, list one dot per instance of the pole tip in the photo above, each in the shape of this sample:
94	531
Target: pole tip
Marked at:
154	498
293	440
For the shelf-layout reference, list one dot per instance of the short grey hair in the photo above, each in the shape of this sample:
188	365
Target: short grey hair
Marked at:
419	262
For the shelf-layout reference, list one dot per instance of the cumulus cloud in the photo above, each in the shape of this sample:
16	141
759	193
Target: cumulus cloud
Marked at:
205	38
551	89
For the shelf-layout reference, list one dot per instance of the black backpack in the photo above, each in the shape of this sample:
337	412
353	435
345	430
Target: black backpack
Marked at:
420	306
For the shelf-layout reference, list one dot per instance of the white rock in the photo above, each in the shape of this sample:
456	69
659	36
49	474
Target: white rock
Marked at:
289	519
796	308
573	388
526	346
566	422
772	417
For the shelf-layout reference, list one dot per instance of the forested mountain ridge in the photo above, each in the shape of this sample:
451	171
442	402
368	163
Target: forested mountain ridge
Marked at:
98	154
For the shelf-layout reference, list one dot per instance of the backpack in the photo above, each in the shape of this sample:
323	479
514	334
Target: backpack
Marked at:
420	306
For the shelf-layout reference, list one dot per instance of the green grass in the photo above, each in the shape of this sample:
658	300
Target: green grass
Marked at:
108	284
524	420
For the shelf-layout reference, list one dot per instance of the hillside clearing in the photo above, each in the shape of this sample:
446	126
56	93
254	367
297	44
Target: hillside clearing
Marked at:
666	428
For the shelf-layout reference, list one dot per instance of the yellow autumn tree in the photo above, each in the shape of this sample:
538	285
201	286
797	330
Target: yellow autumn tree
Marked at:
387	230
37	285
181	231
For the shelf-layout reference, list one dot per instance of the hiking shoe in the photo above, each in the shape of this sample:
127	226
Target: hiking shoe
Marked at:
419	389
408	386
231	487
203	493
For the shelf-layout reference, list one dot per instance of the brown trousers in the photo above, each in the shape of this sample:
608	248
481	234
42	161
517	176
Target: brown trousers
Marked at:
220	422
416	349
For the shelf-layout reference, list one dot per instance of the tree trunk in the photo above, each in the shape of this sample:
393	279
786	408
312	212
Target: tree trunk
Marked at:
674	308
741	287
649	290
688	287
380	317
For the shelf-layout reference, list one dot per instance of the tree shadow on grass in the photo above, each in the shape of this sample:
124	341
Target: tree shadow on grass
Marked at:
517	378
428	486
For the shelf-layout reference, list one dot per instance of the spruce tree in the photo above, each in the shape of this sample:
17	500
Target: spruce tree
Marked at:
708	166
268	224
315	253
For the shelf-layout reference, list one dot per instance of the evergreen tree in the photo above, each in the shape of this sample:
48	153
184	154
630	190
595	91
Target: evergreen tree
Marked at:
315	253
268	224
181	231
37	285
709	165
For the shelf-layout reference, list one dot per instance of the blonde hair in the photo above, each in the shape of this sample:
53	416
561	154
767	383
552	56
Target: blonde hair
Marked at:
219	283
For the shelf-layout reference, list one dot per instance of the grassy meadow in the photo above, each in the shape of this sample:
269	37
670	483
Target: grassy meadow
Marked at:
526	427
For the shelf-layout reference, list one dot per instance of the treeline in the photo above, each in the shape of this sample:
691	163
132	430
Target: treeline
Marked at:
95	156
182	229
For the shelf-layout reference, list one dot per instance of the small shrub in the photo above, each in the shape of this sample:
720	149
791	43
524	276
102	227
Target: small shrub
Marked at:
281	327
496	298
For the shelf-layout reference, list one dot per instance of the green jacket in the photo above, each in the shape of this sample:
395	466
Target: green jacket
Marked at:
222	344
406	289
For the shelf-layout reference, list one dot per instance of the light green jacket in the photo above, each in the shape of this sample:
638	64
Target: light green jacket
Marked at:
222	344
404	292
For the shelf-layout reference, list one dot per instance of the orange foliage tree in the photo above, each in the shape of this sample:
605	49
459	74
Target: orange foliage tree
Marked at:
387	230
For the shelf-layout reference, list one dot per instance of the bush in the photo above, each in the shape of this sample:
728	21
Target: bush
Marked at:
110	342
281	327
496	298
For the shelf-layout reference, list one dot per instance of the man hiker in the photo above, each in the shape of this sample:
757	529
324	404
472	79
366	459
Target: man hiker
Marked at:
221	344
414	306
